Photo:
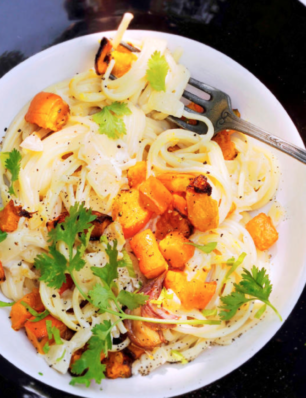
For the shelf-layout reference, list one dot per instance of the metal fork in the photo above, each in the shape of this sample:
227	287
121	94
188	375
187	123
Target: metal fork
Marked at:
219	110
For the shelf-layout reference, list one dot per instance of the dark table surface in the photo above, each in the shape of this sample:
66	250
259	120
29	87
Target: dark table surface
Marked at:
265	36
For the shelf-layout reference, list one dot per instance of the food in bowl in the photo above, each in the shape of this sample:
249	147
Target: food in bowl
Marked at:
127	243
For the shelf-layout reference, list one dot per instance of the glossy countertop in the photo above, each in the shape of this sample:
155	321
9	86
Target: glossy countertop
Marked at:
268	38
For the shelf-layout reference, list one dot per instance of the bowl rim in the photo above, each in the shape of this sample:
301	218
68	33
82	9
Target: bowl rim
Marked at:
243	357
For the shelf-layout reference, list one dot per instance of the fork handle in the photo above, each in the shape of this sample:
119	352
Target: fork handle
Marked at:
230	121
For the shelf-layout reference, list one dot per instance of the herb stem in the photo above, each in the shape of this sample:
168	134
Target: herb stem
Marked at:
273	308
163	321
78	286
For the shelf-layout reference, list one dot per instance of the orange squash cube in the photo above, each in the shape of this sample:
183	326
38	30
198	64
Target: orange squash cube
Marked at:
134	351
175	251
48	111
124	61
194	294
175	182
128	210
154	196
9	217
118	365
37	332
173	221
151	261
196	108
203	211
137	174
262	231
179	204
19	314
223	139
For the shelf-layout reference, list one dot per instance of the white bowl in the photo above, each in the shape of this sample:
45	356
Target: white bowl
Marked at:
288	273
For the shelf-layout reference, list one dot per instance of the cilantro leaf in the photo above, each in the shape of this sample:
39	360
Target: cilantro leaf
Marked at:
132	300
255	285
157	71
204	248
3	236
103	332
109	120
4	304
100	295
128	263
79	219
52	267
120	108
12	164
90	360
109	272
54	264
231	304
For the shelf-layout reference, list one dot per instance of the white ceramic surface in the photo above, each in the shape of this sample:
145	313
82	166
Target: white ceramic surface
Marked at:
288	273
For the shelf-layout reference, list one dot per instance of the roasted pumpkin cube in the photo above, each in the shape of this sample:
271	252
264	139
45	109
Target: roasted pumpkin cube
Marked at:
118	365
134	351
175	182
154	196
48	111
194	294
37	332
151	261
19	314
223	139
128	210
137	174
9	217
196	108
175	251
2	274
203	211
179	204
262	231
124	61
173	221
103	56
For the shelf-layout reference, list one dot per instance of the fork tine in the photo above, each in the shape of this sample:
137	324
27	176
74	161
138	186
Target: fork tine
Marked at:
200	128
203	86
194	98
130	47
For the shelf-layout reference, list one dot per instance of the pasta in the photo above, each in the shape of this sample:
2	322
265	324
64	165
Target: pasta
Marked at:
85	163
